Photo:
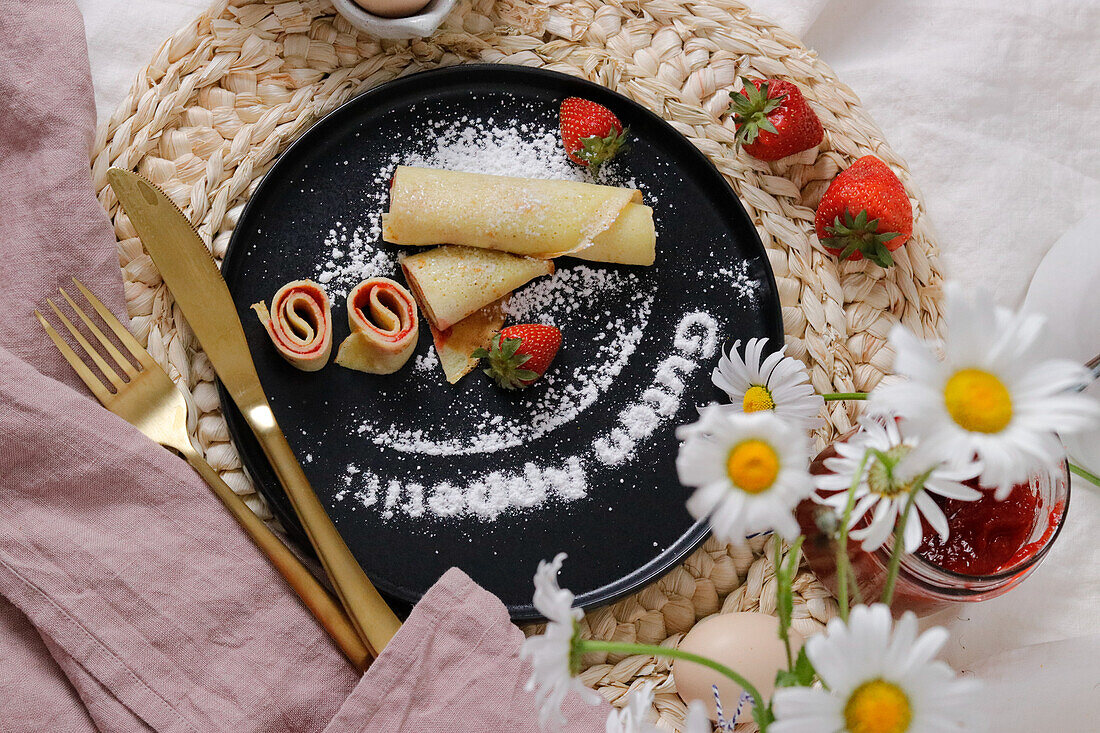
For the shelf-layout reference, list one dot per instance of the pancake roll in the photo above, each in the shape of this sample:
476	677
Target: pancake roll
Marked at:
529	217
384	327
299	324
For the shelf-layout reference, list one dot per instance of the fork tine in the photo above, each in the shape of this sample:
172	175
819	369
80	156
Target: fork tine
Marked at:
101	393
121	360
99	361
132	344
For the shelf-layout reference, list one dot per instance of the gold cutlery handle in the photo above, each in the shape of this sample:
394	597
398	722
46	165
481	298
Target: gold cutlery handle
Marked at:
189	269
327	611
373	619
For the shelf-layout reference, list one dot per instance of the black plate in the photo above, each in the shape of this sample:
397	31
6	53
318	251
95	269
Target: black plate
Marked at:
631	526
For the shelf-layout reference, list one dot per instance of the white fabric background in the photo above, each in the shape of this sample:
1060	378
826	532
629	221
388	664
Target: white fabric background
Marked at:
995	104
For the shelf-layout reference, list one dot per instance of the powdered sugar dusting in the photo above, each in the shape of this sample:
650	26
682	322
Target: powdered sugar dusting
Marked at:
739	280
354	256
563	299
606	308
428	362
479	145
476	145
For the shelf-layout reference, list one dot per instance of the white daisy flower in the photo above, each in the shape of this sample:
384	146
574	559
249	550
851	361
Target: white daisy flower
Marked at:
634	718
885	486
555	659
993	394
778	383
880	678
697	720
749	470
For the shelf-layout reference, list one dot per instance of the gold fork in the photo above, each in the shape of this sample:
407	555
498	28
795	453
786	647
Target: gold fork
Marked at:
147	399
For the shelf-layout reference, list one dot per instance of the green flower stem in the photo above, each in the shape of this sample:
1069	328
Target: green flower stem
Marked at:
779	575
1083	473
856	592
899	540
834	396
620	647
843	567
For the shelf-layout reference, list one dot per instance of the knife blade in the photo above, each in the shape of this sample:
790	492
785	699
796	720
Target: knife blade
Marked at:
196	283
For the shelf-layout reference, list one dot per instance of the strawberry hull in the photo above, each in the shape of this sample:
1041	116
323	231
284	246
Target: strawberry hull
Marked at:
865	212
780	106
590	132
519	355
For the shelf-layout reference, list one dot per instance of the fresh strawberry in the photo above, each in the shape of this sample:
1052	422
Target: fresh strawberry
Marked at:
773	119
865	212
519	355
592	134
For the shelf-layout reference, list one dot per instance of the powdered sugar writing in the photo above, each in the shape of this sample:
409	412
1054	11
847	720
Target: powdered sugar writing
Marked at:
483	496
696	336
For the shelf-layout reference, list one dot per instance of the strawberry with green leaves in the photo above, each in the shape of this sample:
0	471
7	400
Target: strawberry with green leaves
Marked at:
591	133
865	212
519	355
773	119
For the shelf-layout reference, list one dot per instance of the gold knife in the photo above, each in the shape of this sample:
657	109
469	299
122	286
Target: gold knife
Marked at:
189	270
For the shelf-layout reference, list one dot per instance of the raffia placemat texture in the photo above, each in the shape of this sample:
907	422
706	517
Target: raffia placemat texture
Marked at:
226	94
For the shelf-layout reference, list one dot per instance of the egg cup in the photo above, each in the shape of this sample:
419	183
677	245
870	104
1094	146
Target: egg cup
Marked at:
418	25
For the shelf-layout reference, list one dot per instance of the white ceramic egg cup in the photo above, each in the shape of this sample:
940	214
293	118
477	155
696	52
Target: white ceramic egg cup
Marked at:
419	25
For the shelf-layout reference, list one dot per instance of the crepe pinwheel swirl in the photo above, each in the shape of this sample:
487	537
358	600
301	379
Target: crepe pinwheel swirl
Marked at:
300	324
384	327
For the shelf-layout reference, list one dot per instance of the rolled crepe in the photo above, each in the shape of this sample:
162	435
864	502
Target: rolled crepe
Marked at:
454	345
453	282
301	327
523	216
384	327
631	240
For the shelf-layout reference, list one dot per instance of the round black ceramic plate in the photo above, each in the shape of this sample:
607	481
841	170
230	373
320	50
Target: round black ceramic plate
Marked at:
420	475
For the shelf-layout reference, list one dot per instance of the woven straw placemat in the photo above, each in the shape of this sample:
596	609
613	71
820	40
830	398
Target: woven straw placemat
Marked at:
226	94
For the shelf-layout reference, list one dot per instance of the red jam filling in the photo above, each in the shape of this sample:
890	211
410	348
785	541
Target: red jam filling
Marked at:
987	536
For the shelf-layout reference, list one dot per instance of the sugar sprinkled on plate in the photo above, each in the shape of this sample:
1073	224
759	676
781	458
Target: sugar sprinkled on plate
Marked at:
529	151
618	301
563	299
354	256
427	362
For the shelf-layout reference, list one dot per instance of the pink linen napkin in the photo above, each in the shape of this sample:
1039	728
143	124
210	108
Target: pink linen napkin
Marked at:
129	599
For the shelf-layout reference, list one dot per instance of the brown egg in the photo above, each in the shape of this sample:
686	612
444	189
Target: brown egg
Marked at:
748	643
392	8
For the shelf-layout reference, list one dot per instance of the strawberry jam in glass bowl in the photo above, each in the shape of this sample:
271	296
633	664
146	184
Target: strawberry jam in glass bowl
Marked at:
993	545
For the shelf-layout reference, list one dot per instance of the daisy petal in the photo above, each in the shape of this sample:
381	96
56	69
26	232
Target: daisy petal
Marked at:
1008	408
870	647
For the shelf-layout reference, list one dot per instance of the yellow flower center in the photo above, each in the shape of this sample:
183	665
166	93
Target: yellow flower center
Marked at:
880	476
757	398
752	465
878	706
978	401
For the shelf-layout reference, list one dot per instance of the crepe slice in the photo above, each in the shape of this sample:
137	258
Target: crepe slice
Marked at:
453	282
299	324
384	327
455	344
523	216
